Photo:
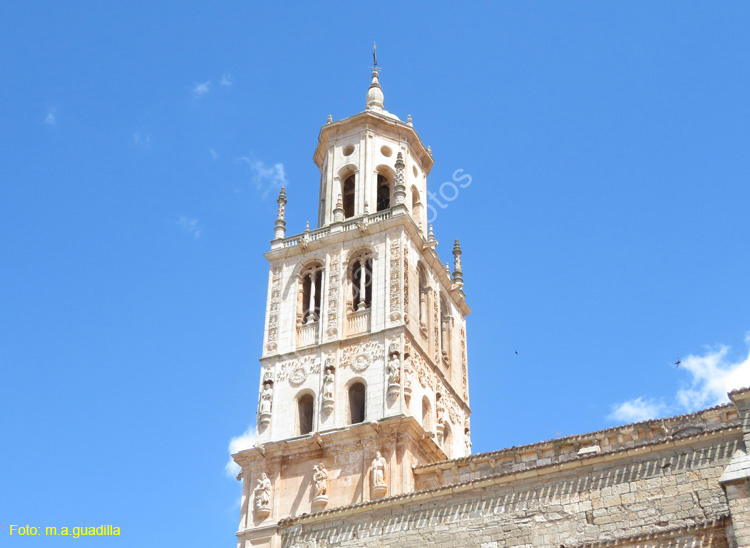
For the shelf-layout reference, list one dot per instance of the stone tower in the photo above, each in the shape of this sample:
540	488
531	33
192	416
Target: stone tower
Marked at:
364	371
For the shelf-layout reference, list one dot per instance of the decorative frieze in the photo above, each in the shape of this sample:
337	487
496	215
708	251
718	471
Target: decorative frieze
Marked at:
360	356
297	369
395	281
436	323
464	366
334	286
273	316
406	285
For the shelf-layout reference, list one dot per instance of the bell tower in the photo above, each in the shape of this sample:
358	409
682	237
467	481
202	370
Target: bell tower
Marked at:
364	370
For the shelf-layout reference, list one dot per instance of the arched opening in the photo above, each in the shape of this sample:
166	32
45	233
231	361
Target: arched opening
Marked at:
445	330
308	302
361	282
447	439
416	206
356	403
384	193
426	414
348	196
305	404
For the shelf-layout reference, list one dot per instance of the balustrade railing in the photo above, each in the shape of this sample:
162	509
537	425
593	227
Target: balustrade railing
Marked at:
307	334
358	322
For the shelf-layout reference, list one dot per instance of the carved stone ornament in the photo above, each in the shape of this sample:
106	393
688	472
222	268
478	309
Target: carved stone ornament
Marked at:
359	357
393	371
329	386
395	281
334	277
378	486
273	316
320	486
264	405
262	496
297	369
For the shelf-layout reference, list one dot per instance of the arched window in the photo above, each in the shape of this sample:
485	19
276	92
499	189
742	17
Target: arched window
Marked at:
416	206
361	280
308	303
447	439
356	403
423	296
426	414
305	404
445	330
348	197
384	193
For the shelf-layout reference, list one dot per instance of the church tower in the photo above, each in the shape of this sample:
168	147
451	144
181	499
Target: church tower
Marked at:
364	370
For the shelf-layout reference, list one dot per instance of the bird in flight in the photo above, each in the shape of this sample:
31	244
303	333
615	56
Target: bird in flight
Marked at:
516	352
677	363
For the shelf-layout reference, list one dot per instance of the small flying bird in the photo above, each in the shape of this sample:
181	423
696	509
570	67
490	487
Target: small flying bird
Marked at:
516	352
677	363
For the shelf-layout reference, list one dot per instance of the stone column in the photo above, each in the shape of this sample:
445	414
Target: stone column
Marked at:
311	317
361	304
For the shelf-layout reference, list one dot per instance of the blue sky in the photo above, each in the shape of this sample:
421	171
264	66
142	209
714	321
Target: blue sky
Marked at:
605	230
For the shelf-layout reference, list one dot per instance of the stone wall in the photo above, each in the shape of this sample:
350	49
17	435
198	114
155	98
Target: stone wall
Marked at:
665	494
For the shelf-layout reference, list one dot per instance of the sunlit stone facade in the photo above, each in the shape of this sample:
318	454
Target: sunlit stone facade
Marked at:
363	435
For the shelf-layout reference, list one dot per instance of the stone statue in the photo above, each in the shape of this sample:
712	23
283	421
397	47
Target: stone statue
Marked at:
467	441
265	400
328	385
394	370
263	492
378	470
320	479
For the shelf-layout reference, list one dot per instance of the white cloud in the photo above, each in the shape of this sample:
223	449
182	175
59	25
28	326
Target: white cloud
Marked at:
190	226
199	90
712	375
50	118
266	178
214	155
226	80
141	141
637	410
236	444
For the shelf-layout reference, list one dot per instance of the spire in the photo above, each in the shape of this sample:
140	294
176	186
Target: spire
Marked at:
458	275
280	225
338	211
375	93
399	189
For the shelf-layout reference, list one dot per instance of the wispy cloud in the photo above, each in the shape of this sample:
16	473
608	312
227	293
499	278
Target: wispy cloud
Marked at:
189	226
266	178
214	155
238	443
226	80
712	375
50	118
638	410
200	89
141	141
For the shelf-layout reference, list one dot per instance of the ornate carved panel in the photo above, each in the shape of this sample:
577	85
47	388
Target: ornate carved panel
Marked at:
334	286
464	366
273	317
361	356
297	369
406	285
395	278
